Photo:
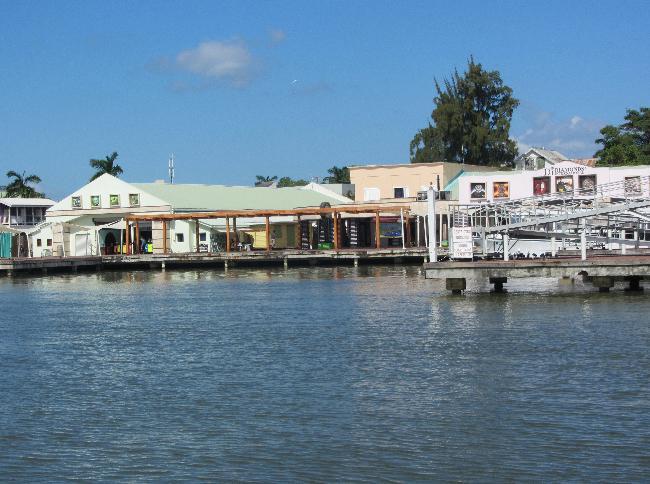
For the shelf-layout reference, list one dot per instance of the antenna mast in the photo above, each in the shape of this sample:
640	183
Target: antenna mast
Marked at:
171	168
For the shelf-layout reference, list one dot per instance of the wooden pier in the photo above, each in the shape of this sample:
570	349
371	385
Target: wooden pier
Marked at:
603	271
222	260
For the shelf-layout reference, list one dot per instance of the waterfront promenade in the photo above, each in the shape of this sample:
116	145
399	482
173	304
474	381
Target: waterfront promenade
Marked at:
225	260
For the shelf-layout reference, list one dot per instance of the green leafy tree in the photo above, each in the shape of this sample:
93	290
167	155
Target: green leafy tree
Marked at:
19	186
261	180
628	143
286	181
106	165
471	121
338	175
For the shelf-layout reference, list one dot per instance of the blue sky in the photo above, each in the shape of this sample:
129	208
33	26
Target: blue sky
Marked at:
237	89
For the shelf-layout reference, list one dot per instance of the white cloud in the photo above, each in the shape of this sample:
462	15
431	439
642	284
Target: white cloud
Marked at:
228	60
277	35
574	137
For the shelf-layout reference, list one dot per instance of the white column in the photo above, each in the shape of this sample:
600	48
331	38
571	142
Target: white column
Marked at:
506	247
583	240
431	216
553	247
401	219
417	230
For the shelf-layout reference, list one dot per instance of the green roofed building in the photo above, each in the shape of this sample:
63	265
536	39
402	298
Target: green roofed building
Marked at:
91	220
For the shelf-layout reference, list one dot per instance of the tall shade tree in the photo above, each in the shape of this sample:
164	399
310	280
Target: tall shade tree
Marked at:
19	186
106	165
471	121
628	143
338	175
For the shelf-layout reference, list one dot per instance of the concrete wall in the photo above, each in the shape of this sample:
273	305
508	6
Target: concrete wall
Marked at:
521	182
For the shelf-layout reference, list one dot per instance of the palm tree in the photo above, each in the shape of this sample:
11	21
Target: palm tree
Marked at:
338	175
19	187
107	165
262	180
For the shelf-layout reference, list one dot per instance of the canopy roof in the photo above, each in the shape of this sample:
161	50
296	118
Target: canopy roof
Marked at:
190	197
27	202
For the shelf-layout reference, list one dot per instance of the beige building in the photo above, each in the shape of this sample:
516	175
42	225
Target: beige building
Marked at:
381	182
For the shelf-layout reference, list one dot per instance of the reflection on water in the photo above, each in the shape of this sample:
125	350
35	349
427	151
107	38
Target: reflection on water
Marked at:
319	373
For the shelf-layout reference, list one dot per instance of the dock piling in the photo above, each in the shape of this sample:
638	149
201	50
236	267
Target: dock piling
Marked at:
456	284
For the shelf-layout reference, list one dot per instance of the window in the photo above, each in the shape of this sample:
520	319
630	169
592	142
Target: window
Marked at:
29	215
49	242
563	184
477	191
134	199
400	192
95	201
114	200
541	185
370	194
501	190
39	243
180	238
633	185
587	182
203	237
76	202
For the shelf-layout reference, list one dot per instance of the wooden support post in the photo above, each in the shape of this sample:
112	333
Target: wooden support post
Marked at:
377	231
136	238
196	234
227	234
408	231
234	231
128	238
336	230
299	234
164	230
268	235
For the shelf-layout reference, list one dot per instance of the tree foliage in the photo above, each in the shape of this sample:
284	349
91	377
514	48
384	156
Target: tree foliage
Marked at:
19	186
286	181
628	143
262	180
471	121
106	165
338	175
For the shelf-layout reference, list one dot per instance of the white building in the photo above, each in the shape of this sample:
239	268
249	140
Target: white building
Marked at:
497	186
90	221
18	218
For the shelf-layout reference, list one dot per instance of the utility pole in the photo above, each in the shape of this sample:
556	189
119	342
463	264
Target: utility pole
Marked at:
172	171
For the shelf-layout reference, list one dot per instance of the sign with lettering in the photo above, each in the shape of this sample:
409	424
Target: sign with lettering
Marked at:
462	245
564	170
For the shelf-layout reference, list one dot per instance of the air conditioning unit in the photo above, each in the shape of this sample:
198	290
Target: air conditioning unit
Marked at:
441	195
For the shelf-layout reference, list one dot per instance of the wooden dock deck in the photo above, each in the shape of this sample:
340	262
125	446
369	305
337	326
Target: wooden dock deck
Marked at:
286	258
601	271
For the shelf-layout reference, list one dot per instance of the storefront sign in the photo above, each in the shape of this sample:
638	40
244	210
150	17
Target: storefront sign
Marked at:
462	245
567	170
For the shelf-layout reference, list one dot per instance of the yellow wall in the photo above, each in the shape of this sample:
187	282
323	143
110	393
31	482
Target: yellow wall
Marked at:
414	176
284	235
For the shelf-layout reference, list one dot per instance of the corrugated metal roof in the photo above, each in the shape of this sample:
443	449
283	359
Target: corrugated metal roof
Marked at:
190	197
27	202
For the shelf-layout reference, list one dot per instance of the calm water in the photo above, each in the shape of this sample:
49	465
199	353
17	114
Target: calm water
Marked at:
319	374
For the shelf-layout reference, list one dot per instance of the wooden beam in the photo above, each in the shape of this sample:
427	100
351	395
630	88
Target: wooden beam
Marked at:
299	234
377	231
268	234
227	234
196	235
128	239
164	228
336	230
342	209
136	238
408	231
